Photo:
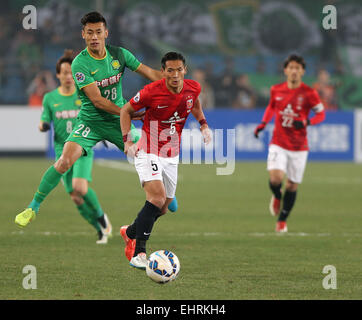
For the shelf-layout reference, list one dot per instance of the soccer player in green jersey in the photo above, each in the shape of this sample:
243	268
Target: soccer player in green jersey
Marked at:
97	71
61	107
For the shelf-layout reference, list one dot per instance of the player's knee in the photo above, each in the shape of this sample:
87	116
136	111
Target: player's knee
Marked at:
276	180
80	189
63	164
291	187
76	198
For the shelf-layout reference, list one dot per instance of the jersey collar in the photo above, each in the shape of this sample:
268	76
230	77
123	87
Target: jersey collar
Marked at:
66	95
98	58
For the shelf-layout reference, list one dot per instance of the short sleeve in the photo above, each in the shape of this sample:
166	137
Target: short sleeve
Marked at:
46	114
141	100
81	75
131	61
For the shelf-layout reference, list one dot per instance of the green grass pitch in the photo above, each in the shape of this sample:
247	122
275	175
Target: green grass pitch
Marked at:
223	235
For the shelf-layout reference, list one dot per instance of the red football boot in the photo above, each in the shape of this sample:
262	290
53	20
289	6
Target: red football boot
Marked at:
129	243
274	206
281	226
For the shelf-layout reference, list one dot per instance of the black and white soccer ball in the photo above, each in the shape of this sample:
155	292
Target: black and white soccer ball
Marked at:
163	266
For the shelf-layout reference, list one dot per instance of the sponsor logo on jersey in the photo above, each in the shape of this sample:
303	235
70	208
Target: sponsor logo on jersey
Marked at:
80	77
161	107
288	111
66	114
109	81
174	118
279	98
94	72
115	64
56	104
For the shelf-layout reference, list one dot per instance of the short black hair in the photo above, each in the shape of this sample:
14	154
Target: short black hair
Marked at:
93	17
296	58
172	56
66	58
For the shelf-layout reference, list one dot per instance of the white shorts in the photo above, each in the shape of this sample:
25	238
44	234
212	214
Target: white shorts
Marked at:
291	162
151	167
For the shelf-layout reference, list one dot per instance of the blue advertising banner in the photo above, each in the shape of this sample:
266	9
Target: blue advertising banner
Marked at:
233	131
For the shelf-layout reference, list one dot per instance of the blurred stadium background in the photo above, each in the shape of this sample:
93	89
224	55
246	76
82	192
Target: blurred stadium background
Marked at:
234	48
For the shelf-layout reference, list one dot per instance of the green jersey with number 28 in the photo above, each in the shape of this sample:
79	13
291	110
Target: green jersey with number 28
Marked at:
62	110
107	73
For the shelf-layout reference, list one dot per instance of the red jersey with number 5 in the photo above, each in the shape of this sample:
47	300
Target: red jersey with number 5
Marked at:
289	105
165	117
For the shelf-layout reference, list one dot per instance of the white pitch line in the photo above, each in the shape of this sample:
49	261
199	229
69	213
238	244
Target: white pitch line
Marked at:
335	180
115	165
197	234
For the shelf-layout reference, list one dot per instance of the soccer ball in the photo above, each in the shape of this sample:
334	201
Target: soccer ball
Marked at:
163	266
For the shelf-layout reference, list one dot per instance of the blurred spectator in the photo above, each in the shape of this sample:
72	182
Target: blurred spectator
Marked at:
28	52
326	90
245	94
41	84
206	96
225	91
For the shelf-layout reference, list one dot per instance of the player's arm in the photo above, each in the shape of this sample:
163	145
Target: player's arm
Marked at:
149	73
95	96
198	113
268	115
133	64
46	117
319	116
318	109
126	114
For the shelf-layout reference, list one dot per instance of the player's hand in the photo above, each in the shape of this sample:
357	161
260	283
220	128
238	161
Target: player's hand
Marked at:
138	115
131	149
300	124
259	128
206	133
45	126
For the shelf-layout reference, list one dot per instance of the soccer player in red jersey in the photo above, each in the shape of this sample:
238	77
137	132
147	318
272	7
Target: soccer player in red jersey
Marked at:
291	103
168	103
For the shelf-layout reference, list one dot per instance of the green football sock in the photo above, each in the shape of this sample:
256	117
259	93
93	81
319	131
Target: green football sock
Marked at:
92	201
48	182
88	214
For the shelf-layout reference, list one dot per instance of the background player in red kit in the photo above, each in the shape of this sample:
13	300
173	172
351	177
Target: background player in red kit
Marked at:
168	103
290	102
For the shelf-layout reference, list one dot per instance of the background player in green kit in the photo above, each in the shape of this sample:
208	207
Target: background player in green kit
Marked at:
97	71
61	106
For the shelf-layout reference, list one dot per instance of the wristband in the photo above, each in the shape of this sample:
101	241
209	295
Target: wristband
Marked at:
125	138
202	121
